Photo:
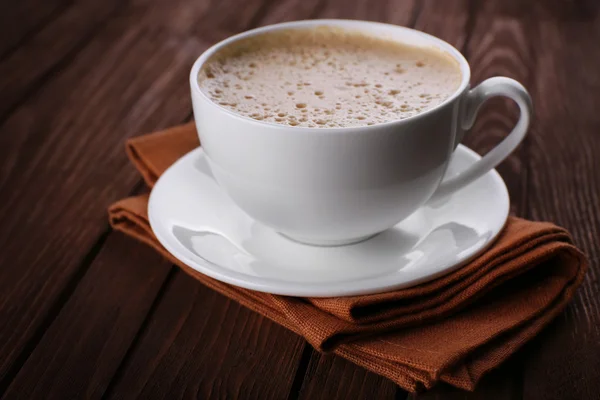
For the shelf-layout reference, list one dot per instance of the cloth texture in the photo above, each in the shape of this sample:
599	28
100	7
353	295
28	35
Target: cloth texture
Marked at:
453	329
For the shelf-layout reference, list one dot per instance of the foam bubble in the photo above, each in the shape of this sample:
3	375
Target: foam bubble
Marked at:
327	78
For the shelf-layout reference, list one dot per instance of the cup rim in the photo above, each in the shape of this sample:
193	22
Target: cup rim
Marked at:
455	53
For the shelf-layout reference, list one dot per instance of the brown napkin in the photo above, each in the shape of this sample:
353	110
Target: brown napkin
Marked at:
453	329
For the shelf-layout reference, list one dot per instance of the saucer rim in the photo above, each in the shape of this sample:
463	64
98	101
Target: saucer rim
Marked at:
362	286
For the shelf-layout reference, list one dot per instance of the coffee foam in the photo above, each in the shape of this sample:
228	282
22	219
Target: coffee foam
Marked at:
327	77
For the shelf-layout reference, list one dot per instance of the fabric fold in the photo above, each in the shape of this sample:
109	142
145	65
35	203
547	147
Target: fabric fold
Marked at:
453	329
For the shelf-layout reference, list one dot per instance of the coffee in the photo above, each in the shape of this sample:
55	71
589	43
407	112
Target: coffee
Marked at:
328	77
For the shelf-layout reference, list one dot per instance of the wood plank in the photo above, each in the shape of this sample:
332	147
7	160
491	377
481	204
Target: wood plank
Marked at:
558	185
64	145
564	188
395	12
332	377
492	386
226	381
19	19
114	102
495	42
514	171
200	344
291	10
83	347
450	21
39	57
500	45
224	23
56	44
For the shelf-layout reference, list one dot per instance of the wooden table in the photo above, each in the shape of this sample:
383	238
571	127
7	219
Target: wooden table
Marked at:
88	313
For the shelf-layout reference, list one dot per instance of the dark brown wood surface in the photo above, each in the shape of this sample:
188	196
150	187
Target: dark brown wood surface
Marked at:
88	313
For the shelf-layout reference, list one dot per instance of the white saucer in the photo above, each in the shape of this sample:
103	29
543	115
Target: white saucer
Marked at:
197	223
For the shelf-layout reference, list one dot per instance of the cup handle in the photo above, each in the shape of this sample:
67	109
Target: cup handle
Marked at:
497	86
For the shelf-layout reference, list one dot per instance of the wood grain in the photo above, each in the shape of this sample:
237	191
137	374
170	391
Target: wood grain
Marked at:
557	155
495	43
21	19
42	54
564	187
77	78
224	23
494	386
199	344
291	10
332	377
500	45
239	382
83	347
149	33
449	20
62	164
396	12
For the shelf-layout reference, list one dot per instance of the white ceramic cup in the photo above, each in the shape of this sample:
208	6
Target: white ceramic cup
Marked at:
333	186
